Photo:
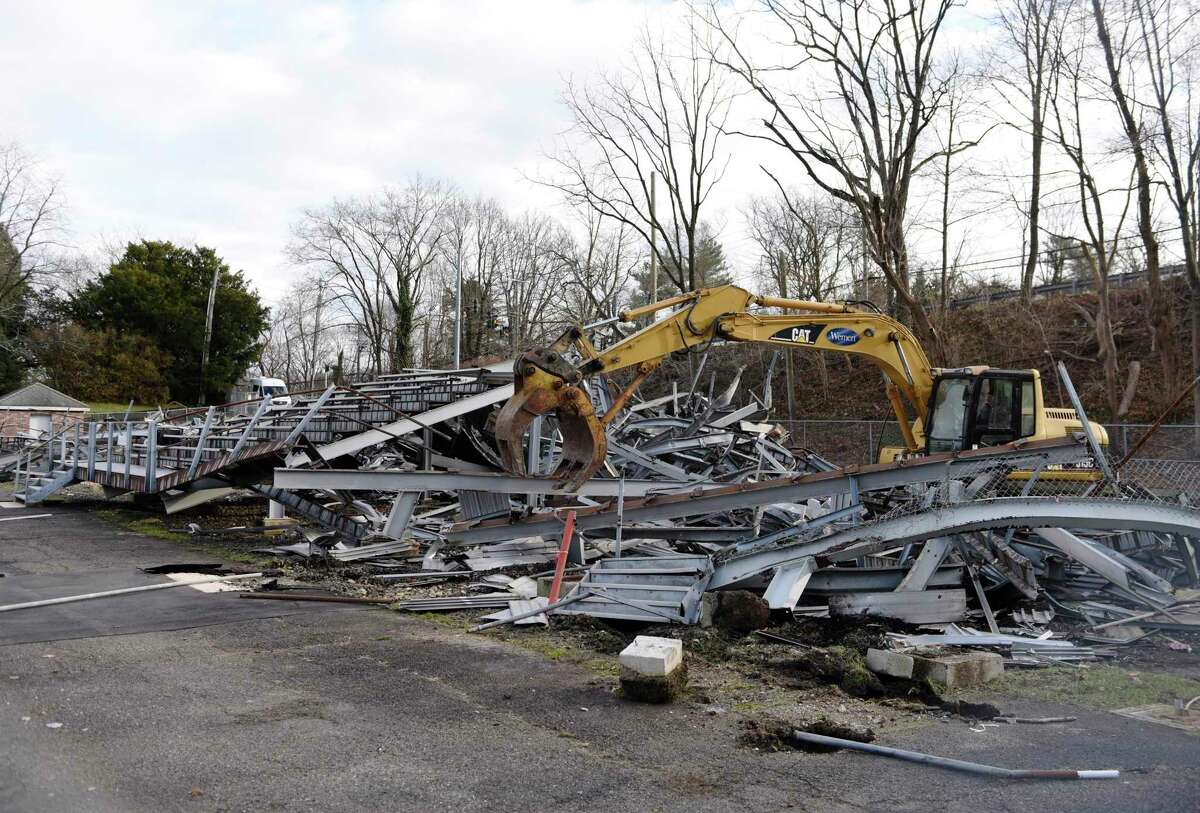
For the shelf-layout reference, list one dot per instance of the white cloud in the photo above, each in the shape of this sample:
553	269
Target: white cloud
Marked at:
218	122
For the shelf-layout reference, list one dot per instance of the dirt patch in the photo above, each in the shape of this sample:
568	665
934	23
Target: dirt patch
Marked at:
770	734
593	634
851	632
646	689
740	612
839	665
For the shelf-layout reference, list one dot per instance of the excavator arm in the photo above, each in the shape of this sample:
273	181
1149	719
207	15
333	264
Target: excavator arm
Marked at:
547	383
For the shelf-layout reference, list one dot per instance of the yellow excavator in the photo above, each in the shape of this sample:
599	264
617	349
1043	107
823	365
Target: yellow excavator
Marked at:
947	410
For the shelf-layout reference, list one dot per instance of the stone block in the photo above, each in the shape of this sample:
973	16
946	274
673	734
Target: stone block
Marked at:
892	664
959	671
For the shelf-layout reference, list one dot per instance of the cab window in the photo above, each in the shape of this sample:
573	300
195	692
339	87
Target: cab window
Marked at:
1028	419
948	418
1003	411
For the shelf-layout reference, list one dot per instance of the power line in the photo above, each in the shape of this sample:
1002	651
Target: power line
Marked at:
1118	238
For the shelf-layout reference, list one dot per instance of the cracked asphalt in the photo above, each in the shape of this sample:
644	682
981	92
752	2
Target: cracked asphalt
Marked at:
366	709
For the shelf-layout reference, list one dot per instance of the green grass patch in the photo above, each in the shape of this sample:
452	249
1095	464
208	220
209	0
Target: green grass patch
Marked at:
453	620
156	528
1104	687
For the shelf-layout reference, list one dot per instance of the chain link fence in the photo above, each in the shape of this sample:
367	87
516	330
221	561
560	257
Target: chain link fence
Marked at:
848	443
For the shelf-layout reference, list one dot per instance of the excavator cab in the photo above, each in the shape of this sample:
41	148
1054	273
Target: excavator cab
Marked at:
976	407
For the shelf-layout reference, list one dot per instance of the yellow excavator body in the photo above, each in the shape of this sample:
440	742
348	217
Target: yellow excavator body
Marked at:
937	410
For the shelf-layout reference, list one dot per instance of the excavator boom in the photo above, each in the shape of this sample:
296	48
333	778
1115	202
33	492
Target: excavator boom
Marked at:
546	383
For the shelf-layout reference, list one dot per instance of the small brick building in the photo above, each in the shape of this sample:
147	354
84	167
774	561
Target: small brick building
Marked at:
37	410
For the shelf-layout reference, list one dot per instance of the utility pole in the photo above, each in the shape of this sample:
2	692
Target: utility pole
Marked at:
458	316
208	325
653	242
317	325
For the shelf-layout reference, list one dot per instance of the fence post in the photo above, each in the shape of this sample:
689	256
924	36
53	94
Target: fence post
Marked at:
870	442
128	452
91	458
151	456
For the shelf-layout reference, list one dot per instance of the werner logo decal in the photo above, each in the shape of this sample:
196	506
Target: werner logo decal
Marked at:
800	334
842	336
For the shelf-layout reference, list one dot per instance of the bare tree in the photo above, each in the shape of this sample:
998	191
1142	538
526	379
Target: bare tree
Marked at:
473	243
960	109
1031	30
1068	94
663	116
529	281
803	242
857	127
1122	71
301	337
1169	37
375	252
600	267
804	252
30	226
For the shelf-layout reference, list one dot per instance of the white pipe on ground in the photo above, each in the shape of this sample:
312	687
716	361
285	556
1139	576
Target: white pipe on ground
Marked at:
121	592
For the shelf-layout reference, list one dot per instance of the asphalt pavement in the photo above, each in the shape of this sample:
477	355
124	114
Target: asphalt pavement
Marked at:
367	709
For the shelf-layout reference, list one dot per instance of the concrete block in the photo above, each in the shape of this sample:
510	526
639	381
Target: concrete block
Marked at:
652	670
892	664
652	656
959	671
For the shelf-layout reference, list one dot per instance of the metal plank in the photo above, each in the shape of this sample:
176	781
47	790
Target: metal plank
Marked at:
494	482
1090	556
798	489
927	563
1021	512
924	607
401	513
296	432
788	584
199	453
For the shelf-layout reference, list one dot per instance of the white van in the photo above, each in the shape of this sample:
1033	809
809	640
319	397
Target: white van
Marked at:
255	388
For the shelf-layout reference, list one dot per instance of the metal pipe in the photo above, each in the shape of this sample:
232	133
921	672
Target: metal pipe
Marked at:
1097	451
284	596
123	591
946	762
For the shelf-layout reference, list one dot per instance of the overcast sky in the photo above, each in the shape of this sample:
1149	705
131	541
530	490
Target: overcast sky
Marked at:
217	122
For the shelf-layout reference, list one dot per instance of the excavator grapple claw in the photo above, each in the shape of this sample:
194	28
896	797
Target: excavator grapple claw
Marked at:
544	384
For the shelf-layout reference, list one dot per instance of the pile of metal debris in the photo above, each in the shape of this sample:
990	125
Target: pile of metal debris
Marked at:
699	494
